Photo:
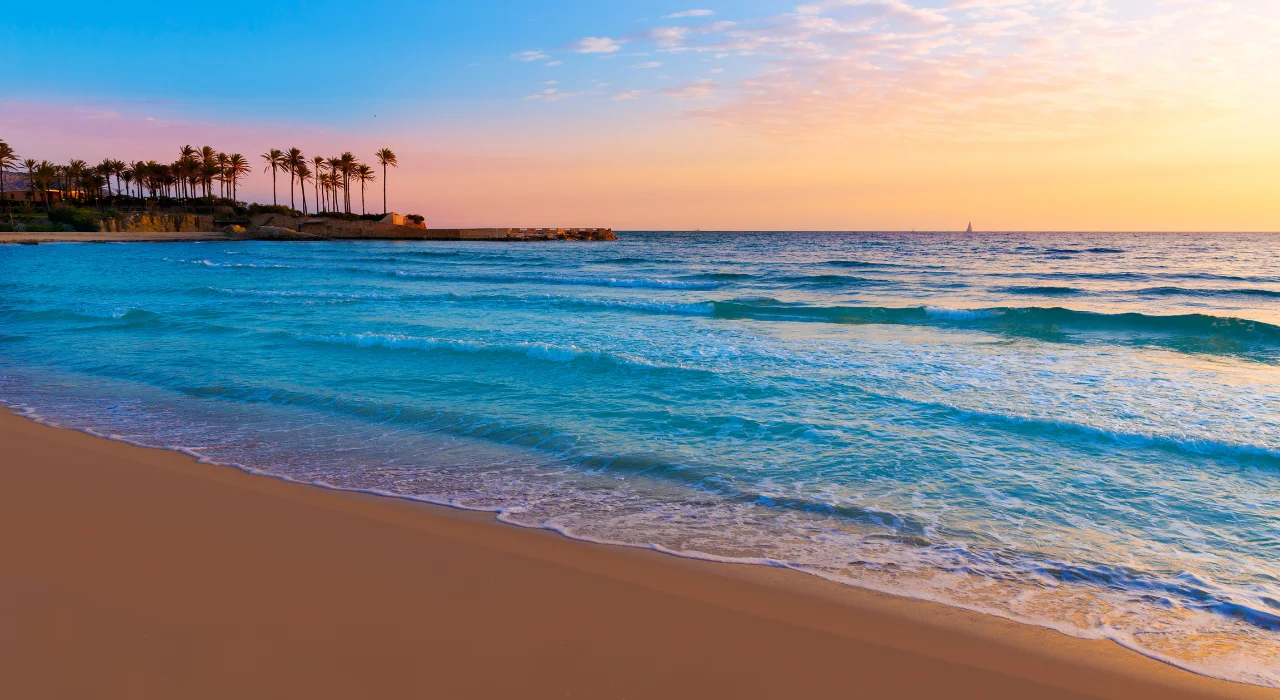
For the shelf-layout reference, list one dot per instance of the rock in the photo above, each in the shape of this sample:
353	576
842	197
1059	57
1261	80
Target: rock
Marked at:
233	229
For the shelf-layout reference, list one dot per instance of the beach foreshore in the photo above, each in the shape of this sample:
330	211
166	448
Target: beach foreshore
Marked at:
140	573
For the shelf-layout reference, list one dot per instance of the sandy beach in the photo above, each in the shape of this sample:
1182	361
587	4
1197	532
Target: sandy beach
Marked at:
139	573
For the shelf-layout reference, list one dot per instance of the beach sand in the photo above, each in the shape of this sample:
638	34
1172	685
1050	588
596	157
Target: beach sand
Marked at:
136	573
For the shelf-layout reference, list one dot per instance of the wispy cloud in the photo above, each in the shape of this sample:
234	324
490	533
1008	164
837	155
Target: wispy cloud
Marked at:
1006	69
596	44
528	56
696	90
647	64
629	95
552	95
689	13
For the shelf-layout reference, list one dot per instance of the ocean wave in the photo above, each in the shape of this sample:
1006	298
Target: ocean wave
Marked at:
643	282
1139	276
1077	251
1194	333
861	264
539	351
1197	292
831	281
1045	291
210	263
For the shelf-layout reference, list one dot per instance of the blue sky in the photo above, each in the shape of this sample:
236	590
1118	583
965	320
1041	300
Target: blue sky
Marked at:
271	60
845	114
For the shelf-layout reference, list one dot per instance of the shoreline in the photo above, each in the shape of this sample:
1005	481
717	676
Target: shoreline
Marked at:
744	625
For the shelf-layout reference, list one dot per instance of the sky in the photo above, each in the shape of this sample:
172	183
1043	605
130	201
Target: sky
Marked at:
1153	115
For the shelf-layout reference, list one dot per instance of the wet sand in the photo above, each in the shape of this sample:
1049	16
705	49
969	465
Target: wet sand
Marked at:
134	573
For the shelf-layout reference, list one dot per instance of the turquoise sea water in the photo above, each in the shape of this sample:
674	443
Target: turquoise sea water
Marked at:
1079	431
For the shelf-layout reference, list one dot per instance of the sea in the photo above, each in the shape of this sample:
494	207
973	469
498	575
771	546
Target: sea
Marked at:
1078	431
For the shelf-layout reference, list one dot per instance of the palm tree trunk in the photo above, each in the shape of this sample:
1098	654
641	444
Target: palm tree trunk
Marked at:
384	188
273	187
303	187
291	189
362	211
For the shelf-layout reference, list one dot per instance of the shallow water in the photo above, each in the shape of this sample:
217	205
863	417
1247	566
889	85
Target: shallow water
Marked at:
1079	431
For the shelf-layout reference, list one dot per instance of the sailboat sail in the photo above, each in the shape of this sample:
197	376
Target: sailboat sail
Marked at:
970	229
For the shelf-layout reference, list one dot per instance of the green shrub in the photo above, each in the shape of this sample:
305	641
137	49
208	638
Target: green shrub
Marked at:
78	219
255	209
417	219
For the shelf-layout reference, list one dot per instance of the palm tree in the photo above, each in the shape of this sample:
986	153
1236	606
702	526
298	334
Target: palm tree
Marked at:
105	167
335	178
237	166
364	174
385	157
139	169
275	161
42	174
74	170
7	160
319	163
292	159
222	161
126	176
348	169
182	169
30	165
304	173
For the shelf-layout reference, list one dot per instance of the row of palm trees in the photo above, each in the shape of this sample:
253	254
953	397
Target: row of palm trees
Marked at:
196	172
331	180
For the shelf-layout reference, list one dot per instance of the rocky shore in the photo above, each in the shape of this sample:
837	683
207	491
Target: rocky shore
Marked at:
280	227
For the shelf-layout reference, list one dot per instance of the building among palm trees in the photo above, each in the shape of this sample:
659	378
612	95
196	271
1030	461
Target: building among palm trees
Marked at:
18	188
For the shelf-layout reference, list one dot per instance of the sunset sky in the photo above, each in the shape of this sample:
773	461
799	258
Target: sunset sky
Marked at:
898	114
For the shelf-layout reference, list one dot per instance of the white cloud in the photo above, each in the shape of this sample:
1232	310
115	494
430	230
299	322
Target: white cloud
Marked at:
697	90
553	64
552	94
1002	69
595	44
689	13
668	37
528	56
551	82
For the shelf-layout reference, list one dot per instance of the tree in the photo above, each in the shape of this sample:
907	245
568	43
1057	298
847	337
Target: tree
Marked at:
42	174
275	161
105	168
223	162
304	173
126	176
348	168
237	167
30	165
72	174
385	157
319	163
8	159
293	159
364	174
335	180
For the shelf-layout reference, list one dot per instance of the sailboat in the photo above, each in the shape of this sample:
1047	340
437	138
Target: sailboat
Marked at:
970	229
